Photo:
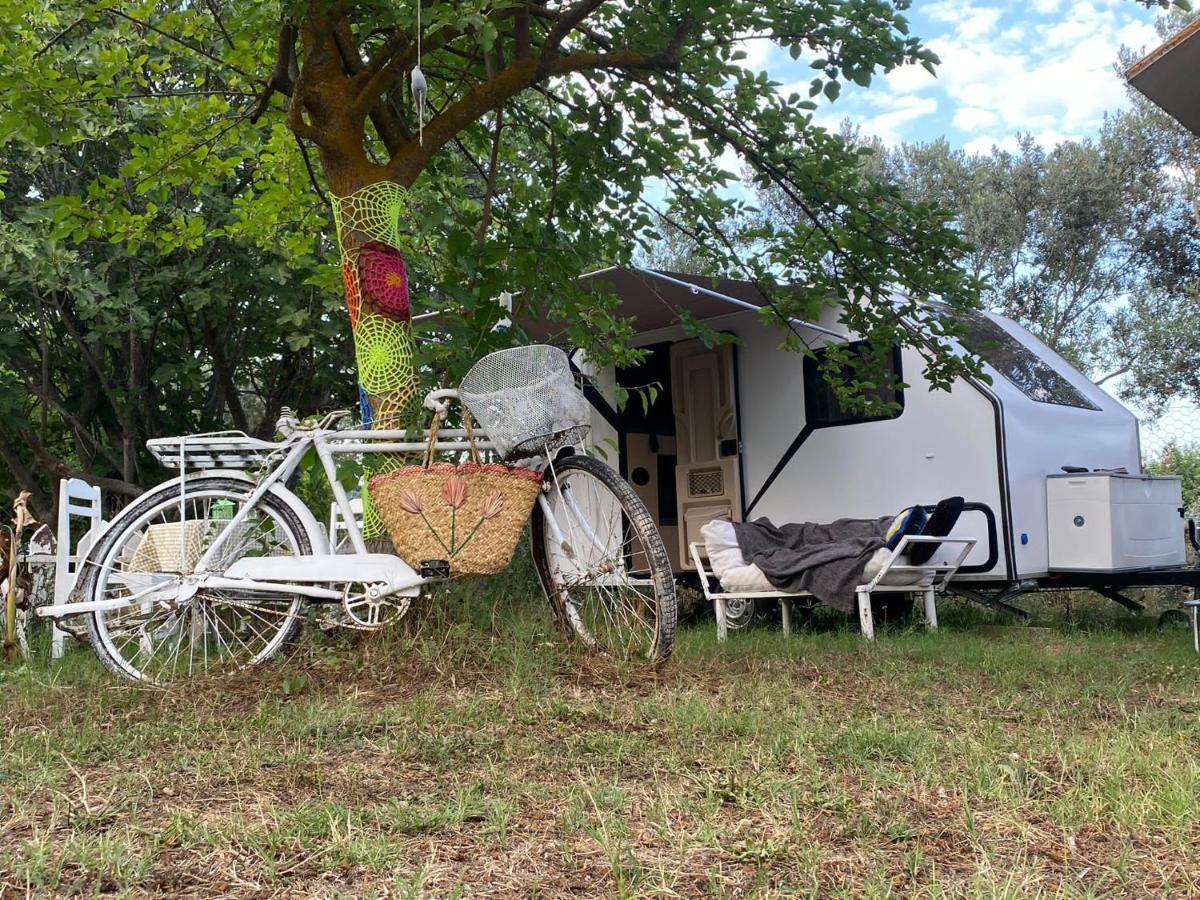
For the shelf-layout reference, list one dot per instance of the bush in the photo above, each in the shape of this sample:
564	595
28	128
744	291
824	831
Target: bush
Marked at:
1182	460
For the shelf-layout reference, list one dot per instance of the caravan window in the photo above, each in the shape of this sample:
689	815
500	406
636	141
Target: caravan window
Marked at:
821	407
1031	374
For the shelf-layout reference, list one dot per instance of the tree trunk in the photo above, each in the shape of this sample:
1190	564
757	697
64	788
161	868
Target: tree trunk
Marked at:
376	288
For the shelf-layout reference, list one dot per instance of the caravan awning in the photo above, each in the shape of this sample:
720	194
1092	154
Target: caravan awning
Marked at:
655	299
1170	76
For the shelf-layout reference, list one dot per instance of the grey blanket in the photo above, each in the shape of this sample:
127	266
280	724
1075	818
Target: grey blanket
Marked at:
825	560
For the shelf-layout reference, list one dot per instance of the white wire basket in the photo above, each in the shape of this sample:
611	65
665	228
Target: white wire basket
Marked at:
526	401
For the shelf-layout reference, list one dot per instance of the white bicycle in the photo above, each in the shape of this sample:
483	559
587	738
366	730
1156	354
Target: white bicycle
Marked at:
212	571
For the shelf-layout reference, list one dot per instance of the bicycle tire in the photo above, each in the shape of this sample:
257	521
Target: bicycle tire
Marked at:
130	518
638	520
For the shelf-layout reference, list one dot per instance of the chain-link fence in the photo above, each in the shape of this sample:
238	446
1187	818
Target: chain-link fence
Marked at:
1171	446
1178	426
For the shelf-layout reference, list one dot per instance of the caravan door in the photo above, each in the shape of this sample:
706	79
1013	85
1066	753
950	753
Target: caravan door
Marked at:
707	474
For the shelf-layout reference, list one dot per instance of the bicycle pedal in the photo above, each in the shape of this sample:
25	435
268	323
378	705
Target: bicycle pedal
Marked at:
435	568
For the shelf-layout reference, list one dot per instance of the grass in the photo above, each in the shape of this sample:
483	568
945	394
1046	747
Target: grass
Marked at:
470	754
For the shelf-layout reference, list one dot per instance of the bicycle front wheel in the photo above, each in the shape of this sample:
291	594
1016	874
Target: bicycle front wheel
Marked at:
177	631
603	564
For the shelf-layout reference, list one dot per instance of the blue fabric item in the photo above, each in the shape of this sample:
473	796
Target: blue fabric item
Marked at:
909	521
364	403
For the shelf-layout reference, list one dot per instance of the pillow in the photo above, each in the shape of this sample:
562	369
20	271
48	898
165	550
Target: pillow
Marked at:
909	521
940	524
726	561
721	546
744	579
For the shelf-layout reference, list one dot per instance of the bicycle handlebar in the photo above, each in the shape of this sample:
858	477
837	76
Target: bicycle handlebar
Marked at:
287	424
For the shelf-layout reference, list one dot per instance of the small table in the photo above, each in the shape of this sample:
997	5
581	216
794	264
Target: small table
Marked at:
1194	606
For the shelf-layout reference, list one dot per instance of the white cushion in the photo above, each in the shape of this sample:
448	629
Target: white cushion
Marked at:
879	559
745	579
721	545
726	560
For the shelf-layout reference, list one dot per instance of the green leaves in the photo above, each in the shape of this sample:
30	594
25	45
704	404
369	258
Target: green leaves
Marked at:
157	252
207	250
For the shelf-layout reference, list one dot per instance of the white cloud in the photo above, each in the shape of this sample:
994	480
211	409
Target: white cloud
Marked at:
1057	85
1051	137
985	145
978	22
1139	36
903	110
970	21
1043	67
972	118
758	53
909	79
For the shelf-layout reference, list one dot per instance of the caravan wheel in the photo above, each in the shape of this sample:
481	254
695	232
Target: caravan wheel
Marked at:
740	612
1174	619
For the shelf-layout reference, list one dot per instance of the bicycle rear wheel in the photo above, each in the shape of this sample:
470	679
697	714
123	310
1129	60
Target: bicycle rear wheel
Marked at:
603	564
178	631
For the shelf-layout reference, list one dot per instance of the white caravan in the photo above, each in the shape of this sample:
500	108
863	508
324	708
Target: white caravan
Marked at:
747	429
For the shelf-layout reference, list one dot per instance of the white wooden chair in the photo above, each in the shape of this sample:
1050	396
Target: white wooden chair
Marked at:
935	575
1194	609
338	533
76	500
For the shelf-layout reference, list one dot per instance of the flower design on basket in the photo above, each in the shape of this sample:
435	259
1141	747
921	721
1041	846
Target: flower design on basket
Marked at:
492	506
411	503
454	492
383	278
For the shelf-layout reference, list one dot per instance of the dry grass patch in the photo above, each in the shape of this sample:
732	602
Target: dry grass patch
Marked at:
472	755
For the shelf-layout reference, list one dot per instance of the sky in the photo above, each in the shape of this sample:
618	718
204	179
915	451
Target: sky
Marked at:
1043	67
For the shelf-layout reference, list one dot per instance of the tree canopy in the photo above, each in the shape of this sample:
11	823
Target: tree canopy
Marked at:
166	229
1091	244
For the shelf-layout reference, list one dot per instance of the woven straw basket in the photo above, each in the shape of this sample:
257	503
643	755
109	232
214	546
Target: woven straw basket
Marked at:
469	515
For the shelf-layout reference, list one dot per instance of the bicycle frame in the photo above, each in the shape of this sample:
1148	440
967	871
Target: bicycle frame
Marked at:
328	445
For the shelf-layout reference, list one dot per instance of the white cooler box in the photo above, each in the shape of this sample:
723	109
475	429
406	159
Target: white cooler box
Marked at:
1097	522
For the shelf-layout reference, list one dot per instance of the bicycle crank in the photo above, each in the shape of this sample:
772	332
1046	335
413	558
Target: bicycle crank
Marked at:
370	608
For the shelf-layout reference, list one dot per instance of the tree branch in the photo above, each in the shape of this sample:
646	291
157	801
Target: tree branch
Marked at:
390	63
216	14
387	124
567	20
57	467
1111	375
507	83
485	216
41	503
281	79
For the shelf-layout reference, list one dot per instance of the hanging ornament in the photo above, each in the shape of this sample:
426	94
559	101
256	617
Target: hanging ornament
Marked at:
420	91
420	87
